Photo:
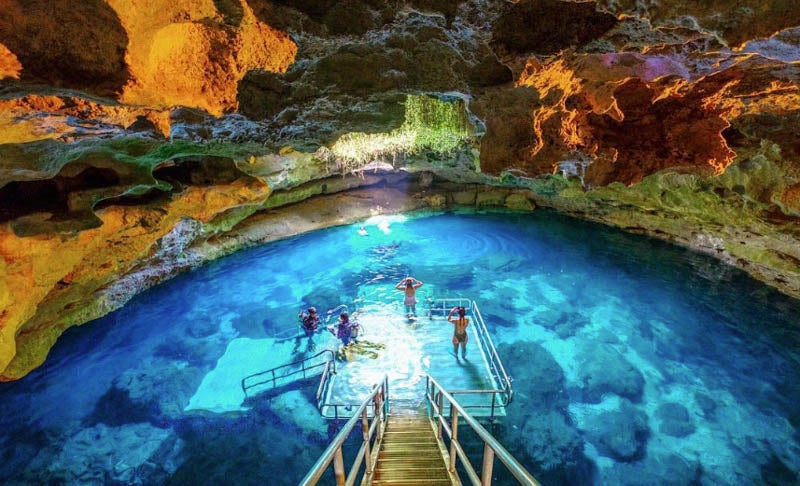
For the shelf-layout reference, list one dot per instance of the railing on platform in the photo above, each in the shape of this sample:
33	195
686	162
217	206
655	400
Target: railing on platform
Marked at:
504	393
290	370
487	346
335	411
370	434
436	396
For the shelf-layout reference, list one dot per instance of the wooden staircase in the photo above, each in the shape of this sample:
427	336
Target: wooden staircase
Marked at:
409	453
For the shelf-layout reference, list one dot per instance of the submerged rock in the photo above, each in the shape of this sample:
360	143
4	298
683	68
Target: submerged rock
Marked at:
549	441
602	369
674	420
706	404
103	454
671	469
569	323
543	386
620	434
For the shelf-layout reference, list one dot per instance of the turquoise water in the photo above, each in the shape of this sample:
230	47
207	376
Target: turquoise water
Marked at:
634	362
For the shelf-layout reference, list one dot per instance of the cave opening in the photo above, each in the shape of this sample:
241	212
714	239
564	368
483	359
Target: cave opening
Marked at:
55	196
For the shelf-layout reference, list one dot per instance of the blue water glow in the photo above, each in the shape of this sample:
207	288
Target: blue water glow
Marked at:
634	361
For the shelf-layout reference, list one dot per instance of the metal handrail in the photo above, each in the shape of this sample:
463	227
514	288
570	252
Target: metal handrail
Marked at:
485	345
436	395
323	382
379	398
247	381
494	359
447	304
324	410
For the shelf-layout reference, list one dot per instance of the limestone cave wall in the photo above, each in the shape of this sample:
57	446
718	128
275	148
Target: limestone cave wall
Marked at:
141	139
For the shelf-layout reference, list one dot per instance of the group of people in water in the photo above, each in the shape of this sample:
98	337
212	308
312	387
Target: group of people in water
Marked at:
347	329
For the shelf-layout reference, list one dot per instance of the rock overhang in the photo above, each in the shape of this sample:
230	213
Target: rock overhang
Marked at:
191	118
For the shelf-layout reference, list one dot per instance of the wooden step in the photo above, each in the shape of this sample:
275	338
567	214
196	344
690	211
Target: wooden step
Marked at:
421	448
390	460
420	436
401	432
408	455
409	421
412	482
415	441
422	429
407	424
411	473
410	417
420	442
404	425
409	452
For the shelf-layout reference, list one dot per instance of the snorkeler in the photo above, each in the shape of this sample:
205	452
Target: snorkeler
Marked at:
409	286
343	331
309	321
459	330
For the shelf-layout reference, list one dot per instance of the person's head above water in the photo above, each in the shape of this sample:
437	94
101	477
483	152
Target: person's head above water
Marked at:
409	282
344	317
312	310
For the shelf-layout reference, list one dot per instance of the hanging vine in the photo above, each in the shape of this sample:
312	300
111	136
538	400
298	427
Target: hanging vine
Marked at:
430	125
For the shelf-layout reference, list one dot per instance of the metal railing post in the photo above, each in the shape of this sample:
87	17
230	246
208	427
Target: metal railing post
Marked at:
365	436
385	403
491	447
439	412
488	463
338	467
453	439
333	455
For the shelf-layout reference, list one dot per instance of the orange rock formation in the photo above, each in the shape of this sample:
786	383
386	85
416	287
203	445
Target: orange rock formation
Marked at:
36	117
156	53
196	60
10	66
46	283
637	114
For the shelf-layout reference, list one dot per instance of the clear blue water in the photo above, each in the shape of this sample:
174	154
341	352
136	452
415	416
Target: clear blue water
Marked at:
634	362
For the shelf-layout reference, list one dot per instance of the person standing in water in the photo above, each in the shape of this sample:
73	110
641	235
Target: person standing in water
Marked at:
459	330
343	331
309	322
409	286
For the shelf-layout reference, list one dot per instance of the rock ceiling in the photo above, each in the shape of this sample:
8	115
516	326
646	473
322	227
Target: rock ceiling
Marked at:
134	133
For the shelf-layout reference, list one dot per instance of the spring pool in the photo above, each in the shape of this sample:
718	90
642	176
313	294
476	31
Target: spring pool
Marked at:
634	361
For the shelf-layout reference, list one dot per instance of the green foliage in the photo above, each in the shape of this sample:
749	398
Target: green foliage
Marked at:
354	150
148	153
439	126
430	124
759	177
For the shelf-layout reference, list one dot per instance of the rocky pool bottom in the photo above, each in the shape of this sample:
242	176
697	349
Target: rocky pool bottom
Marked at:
634	362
